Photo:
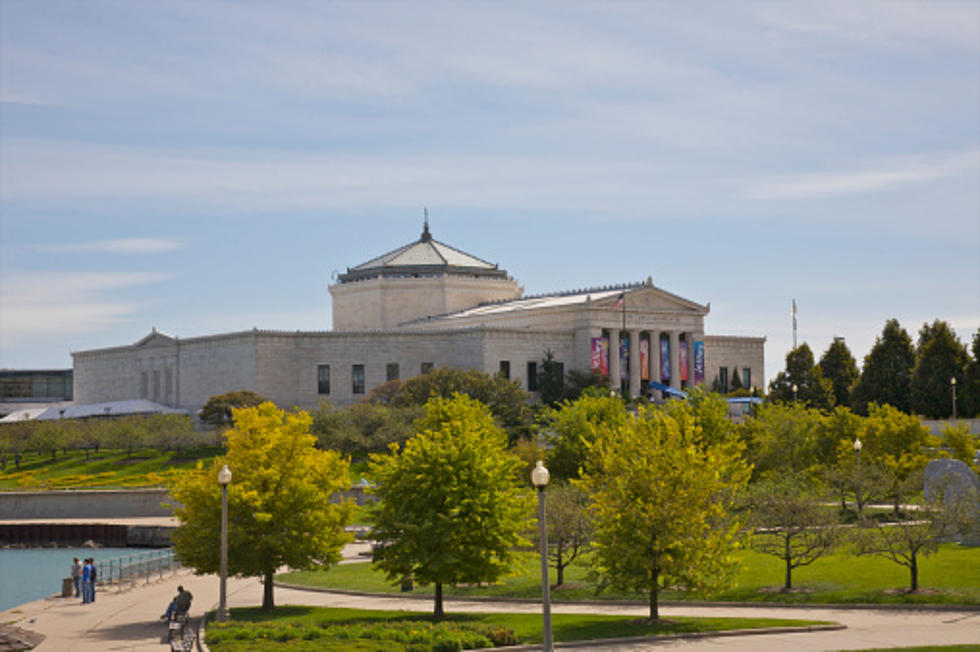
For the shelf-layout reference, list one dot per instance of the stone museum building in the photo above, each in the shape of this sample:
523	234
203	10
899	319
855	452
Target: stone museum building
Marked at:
428	305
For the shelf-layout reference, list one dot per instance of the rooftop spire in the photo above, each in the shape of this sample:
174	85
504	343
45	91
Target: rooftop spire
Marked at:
426	236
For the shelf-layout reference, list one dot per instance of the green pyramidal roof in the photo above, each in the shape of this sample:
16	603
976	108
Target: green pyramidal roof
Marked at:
424	257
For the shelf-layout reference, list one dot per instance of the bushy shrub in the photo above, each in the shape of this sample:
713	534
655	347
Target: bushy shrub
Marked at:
420	636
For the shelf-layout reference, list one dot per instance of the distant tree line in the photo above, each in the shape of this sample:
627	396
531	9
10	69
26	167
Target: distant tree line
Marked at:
913	378
160	431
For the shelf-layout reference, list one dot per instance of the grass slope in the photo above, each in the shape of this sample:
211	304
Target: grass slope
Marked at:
106	469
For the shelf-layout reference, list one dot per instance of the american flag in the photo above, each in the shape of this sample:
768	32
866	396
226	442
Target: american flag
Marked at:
620	300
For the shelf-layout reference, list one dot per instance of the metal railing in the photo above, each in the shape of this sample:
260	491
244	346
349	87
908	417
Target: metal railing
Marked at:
142	566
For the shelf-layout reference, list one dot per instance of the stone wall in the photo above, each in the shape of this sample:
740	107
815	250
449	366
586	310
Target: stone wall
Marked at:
734	352
130	503
389	301
92	504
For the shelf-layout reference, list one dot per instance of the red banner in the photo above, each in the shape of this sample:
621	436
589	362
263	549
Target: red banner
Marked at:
600	355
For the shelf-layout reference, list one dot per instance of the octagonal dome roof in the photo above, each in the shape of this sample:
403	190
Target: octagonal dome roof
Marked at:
424	257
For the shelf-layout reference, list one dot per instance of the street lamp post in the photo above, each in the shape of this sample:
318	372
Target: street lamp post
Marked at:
952	382
539	478
224	479
795	389
857	451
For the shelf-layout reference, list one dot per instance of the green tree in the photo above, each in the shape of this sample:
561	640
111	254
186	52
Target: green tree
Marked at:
450	508
572	428
47	437
835	455
960	443
897	443
793	524
812	388
708	412
782	437
940	518
363	428
968	391
736	380
280	507
580	382
939	357
663	506
217	412
839	367
505	398
551	380
569	527
887	371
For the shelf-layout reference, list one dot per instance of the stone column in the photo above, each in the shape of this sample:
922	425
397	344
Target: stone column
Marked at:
655	361
675	359
614	359
635	371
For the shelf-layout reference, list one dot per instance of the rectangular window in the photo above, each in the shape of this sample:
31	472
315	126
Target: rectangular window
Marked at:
357	379
532	376
168	384
505	369
723	379
323	379
746	378
156	384
391	371
144	385
426	367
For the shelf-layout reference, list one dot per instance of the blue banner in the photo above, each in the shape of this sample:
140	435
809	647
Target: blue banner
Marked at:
698	362
665	360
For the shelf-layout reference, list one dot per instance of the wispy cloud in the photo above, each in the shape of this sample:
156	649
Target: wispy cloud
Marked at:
41	304
883	176
119	246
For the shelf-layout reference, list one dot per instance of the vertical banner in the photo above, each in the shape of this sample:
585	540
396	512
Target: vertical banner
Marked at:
624	358
682	359
698	362
644	359
665	360
600	355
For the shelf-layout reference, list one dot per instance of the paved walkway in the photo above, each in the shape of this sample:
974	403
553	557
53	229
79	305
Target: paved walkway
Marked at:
128	618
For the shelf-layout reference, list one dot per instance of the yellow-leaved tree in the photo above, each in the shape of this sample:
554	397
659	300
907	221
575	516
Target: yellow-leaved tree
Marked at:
280	507
662	505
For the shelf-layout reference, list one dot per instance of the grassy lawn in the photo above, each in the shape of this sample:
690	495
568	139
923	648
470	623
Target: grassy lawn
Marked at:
318	628
952	575
106	469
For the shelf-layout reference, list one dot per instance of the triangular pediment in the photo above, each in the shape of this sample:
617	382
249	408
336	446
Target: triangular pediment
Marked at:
653	299
156	338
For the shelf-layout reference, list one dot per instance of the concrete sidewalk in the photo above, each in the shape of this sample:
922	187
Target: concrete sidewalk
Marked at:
129	618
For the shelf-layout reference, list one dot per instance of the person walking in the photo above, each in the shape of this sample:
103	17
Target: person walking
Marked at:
86	581
76	576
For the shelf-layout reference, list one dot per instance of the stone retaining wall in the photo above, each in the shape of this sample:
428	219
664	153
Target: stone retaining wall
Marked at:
93	504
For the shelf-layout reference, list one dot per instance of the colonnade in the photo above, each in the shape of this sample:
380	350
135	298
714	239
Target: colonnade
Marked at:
654	366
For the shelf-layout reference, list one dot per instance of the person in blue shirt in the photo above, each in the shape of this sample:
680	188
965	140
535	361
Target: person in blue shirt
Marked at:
86	581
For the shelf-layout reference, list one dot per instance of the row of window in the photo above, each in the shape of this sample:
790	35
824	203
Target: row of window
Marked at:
532	373
723	377
393	372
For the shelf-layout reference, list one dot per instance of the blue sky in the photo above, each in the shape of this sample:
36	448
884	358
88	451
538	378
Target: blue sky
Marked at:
203	167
